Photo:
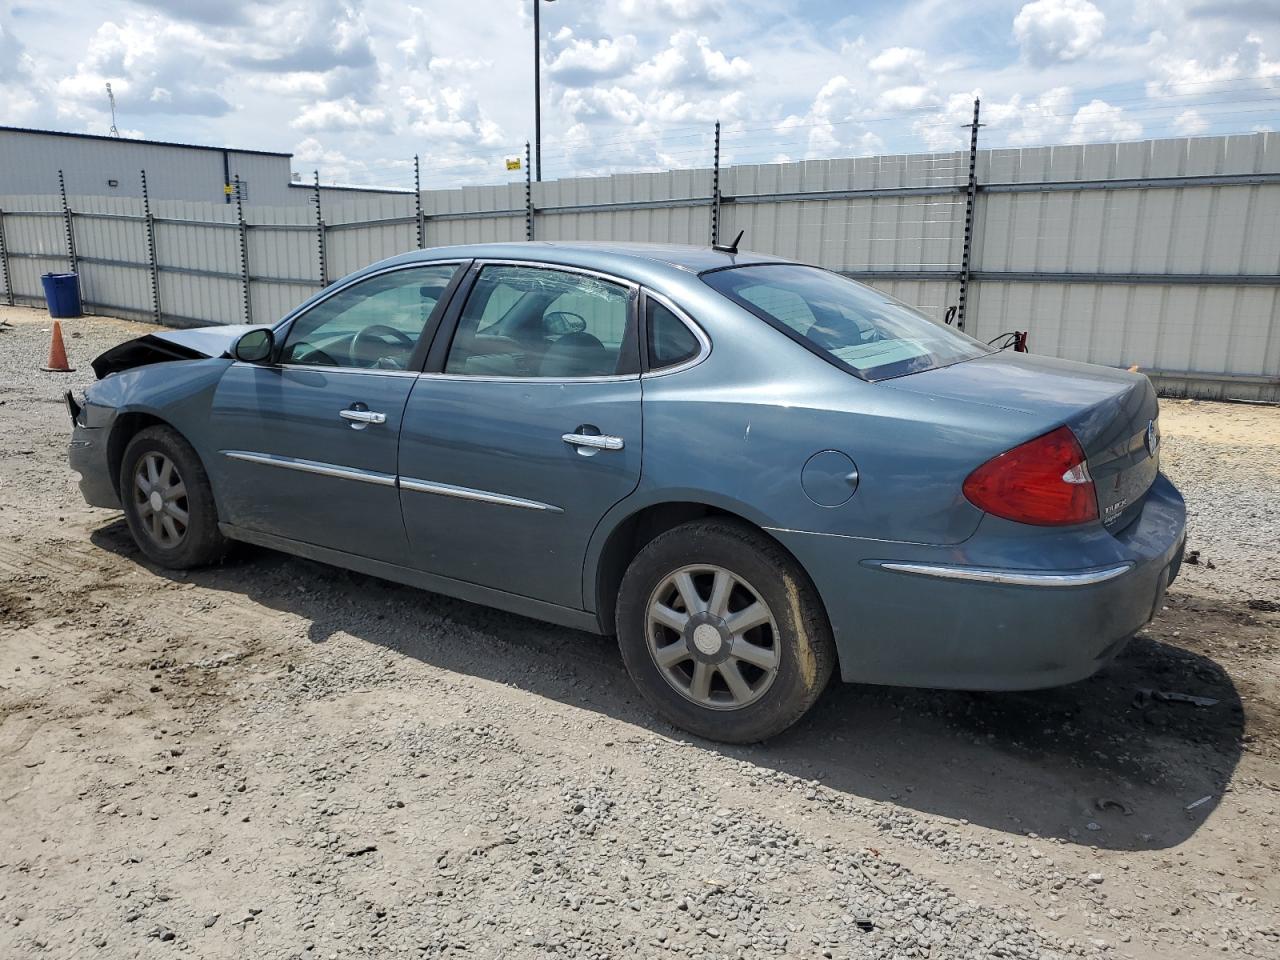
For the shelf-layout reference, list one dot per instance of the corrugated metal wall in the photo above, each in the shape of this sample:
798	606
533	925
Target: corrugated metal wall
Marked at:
1161	253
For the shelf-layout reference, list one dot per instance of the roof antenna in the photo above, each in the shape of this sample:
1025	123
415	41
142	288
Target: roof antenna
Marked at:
729	247
112	97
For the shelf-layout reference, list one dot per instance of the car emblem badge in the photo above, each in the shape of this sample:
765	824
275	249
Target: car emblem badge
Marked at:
1153	437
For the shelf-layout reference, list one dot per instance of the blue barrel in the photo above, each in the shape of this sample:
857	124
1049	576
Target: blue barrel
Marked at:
62	293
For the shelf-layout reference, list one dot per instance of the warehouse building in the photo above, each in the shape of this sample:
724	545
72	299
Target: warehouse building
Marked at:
102	166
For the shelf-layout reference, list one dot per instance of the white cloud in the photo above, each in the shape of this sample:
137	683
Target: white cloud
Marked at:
153	65
451	115
900	64
1189	123
581	63
1050	31
691	61
685	10
1184	76
1099	121
342	115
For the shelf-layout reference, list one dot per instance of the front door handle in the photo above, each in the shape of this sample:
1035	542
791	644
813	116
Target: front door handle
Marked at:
593	440
362	417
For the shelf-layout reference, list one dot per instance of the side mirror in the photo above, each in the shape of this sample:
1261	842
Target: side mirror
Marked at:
254	346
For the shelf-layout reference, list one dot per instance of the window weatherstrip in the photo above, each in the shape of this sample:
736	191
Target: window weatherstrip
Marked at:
468	493
313	466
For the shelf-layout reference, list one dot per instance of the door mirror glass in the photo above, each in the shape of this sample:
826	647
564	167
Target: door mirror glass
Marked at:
254	346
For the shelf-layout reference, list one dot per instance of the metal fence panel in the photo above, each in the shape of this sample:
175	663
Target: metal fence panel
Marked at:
1163	253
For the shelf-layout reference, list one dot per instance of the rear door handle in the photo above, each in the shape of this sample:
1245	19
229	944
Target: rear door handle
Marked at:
596	441
363	416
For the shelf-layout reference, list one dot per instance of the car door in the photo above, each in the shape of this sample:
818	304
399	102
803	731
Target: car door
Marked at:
308	442
524	430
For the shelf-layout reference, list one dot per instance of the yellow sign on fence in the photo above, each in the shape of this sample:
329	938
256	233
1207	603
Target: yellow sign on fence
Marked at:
513	163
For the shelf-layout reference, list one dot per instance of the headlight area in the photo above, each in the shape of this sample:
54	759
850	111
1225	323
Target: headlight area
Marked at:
87	414
74	407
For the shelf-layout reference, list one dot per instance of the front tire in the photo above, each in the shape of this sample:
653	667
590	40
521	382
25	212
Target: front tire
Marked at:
168	502
723	632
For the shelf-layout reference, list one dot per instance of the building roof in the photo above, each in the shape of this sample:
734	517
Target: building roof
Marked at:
349	187
151	143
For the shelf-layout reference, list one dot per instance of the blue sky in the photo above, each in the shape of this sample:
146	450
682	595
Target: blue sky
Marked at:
356	87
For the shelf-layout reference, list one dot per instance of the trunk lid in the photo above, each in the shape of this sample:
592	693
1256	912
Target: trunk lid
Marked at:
1113	414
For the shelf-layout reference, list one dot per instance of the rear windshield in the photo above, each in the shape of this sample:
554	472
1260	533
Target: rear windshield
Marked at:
855	327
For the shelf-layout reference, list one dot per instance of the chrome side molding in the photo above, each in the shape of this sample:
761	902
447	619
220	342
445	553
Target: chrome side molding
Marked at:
388	480
467	493
1022	578
313	466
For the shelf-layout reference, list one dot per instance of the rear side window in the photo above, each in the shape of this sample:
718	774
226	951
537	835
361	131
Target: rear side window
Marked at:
859	329
670	341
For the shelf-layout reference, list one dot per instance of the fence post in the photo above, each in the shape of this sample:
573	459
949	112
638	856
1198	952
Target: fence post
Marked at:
528	195
970	196
244	252
66	222
715	191
417	202
324	262
4	264
151	249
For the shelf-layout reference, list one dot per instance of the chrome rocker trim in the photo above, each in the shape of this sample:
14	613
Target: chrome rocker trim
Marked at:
1021	578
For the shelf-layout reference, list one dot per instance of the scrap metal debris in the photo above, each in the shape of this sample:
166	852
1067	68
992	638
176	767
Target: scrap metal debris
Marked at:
1145	695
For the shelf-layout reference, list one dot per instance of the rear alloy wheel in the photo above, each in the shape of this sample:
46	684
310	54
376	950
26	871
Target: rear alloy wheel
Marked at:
712	637
168	502
723	632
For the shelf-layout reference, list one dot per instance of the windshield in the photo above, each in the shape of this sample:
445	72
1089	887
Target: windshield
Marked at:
855	327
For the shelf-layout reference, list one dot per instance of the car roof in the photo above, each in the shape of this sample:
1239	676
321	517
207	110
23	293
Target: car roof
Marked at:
609	256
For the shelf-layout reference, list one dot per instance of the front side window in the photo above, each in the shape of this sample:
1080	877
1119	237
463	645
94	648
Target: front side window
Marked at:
375	323
538	322
859	329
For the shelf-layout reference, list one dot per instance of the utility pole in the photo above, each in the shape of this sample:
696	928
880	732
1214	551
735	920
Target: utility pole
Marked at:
537	90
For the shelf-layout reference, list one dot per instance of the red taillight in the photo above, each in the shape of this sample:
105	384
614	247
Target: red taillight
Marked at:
1044	481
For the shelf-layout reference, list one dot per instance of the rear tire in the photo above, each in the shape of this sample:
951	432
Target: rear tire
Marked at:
168	502
723	632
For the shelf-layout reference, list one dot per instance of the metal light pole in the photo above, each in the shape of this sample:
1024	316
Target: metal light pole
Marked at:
537	90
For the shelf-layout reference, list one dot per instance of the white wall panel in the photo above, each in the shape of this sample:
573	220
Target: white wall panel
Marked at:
1215	328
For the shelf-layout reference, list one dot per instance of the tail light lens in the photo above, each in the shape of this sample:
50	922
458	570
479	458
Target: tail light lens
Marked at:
1044	481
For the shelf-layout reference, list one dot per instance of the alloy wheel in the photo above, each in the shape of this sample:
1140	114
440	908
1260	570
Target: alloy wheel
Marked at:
160	497
713	637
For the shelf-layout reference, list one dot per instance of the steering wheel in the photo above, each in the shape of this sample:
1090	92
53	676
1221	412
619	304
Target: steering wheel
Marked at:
372	337
304	353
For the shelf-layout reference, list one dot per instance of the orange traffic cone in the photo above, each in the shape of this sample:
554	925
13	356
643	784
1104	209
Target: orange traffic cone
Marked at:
58	353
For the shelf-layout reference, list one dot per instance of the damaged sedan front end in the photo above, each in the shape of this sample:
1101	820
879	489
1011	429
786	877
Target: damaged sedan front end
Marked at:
129	387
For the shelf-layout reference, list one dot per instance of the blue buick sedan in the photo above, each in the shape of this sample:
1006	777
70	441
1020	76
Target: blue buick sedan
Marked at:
751	471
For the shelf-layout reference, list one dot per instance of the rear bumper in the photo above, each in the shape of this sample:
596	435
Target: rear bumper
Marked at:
957	617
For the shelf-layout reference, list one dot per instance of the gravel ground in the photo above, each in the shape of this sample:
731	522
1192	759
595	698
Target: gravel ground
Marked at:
273	758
